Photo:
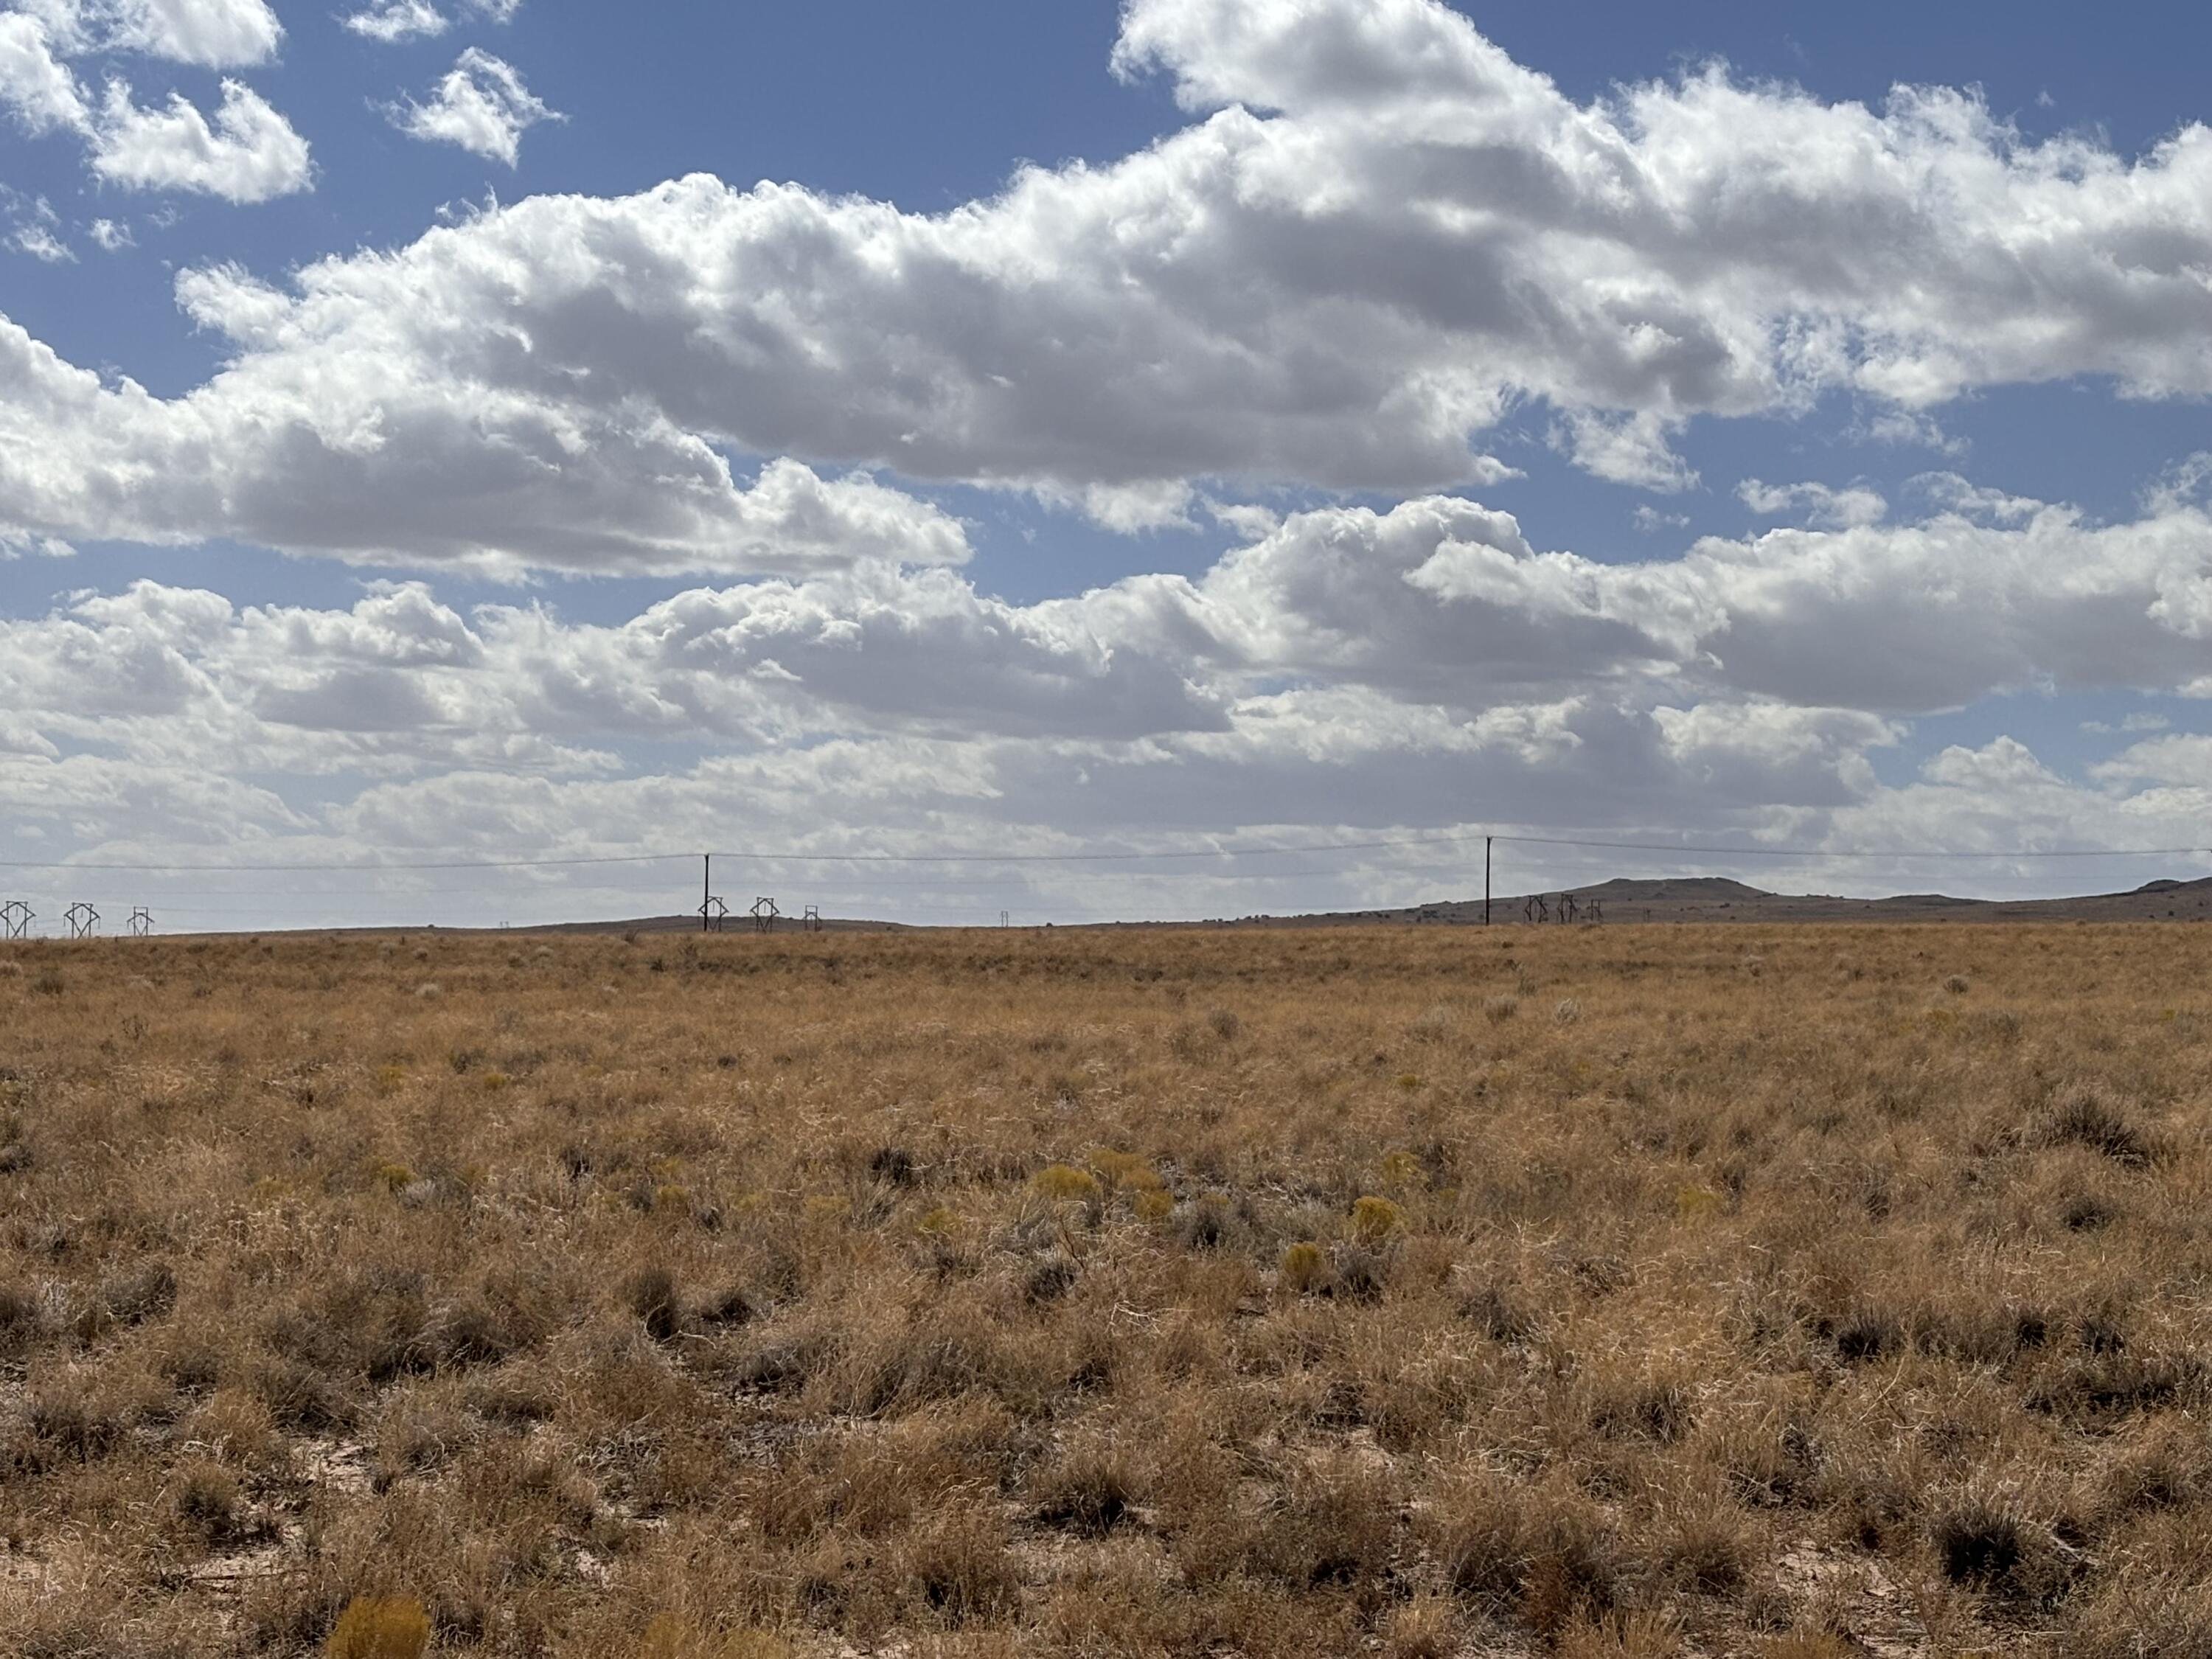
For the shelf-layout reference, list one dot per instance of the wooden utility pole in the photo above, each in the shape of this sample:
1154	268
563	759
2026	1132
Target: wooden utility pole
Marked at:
1486	881
706	892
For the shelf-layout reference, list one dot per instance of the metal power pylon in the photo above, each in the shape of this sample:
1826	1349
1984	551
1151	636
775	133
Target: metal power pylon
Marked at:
764	914
83	920
15	919
142	923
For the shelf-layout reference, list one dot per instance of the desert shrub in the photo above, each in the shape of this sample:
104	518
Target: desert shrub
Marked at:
1050	1279
1375	1219
1544	1552
1707	1546
22	1317
1497	1314
650	1294
2087	1212
1985	1539
71	1424
209	1496
1426	1627
1433	1024
1090	1490
892	1165
1154	1204
1868	1332
2089	1120
1360	1274
2144	1620
378	1628
139	1293
732	1305
1332	1524
1064	1182
1203	1224
955	1569
1656	1407
1304	1268
300	1397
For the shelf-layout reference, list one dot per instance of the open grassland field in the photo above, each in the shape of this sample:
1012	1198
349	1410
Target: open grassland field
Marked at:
1800	1292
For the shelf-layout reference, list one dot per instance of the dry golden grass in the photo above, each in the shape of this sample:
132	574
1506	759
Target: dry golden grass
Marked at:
1421	1293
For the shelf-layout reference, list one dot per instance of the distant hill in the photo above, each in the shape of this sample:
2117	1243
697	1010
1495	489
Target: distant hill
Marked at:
1624	899
1717	898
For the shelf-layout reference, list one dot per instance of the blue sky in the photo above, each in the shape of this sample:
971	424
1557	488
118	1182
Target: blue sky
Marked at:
1212	423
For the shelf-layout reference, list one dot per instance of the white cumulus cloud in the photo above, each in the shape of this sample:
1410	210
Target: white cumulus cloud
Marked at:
481	105
40	243
36	87
1824	506
1382	243
392	20
214	33
248	153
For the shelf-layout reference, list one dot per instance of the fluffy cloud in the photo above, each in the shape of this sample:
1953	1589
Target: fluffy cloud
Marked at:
430	472
1438	604
209	33
480	104
36	227
37	88
1382	238
249	153
1396	659
392	20
41	243
1890	619
214	34
1824	507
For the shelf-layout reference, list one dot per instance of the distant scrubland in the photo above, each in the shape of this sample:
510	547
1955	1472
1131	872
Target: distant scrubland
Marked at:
1803	1292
